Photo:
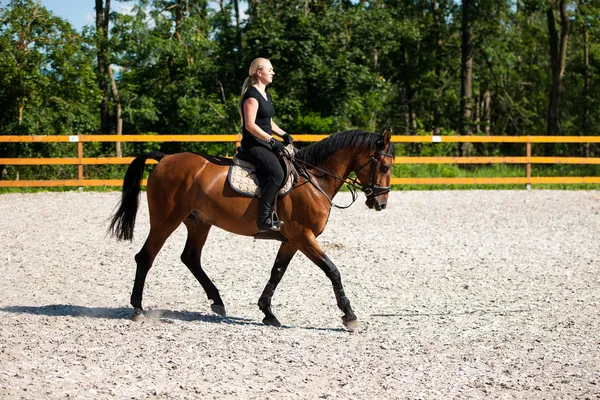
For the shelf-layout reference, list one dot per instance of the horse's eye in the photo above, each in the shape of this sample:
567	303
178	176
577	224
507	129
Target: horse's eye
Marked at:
384	169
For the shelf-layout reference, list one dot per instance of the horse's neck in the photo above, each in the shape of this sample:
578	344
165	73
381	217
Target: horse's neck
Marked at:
339	165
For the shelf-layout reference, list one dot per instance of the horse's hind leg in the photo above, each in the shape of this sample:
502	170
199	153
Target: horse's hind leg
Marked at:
284	256
144	260
159	233
197	234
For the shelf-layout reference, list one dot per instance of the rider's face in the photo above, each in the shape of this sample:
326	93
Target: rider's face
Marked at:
266	73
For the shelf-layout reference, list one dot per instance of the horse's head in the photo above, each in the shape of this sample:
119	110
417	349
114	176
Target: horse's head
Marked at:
374	170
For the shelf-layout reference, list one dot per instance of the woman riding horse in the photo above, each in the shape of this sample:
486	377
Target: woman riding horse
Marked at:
260	148
193	189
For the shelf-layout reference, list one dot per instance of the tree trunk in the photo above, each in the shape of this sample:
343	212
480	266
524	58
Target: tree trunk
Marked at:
487	111
405	111
177	35
437	12
412	116
102	13
117	101
477	113
466	76
406	122
174	74
558	54
586	79
413	119
586	86
238	28
408	92
179	18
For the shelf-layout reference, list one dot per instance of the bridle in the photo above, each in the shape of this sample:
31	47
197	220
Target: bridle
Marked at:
371	190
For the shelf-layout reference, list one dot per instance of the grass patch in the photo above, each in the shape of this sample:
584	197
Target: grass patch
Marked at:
493	171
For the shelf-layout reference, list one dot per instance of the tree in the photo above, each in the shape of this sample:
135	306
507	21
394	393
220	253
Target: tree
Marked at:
47	82
438	12
331	59
558	57
414	65
466	75
102	20
170	82
585	10
46	73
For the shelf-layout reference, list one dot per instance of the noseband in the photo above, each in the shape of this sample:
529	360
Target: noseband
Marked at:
372	190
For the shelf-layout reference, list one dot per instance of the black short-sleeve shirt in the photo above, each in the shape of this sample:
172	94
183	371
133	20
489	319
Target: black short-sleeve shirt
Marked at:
265	112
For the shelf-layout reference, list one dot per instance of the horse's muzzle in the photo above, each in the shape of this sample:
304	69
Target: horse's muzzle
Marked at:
372	203
380	207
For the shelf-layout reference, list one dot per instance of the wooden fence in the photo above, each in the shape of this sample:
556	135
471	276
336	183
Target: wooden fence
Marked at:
528	159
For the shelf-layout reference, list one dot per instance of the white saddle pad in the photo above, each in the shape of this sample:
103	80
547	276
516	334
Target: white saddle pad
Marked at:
243	179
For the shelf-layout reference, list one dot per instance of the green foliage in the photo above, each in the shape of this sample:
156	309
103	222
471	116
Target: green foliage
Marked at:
167	84
339	65
46	73
314	123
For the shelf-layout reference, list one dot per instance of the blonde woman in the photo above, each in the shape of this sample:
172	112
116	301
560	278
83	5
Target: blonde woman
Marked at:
256	110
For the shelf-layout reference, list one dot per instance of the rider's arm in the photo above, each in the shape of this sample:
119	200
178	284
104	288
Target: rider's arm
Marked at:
250	110
276	129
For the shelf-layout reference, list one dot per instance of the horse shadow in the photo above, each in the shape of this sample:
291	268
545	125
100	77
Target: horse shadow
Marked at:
125	313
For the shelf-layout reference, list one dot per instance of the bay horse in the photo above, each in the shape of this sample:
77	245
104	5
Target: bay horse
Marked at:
193	189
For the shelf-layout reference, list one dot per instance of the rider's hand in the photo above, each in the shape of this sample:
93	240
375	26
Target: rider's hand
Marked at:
276	145
288	139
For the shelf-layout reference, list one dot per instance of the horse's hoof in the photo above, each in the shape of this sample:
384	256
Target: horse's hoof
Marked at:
351	325
271	322
138	315
217	309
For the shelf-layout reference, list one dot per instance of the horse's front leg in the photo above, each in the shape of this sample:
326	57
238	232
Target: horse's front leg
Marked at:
284	256
313	251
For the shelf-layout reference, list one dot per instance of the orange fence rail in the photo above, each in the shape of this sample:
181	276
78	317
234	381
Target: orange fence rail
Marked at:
528	160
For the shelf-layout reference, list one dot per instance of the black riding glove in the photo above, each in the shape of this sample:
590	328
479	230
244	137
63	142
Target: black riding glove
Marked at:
276	145
288	139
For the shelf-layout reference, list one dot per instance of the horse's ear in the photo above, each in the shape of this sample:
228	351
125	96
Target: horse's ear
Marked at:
387	135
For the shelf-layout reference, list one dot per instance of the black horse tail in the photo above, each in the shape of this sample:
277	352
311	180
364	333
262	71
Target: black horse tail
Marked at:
123	220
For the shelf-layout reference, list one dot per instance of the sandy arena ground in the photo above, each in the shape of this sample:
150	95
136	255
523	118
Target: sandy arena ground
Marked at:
459	294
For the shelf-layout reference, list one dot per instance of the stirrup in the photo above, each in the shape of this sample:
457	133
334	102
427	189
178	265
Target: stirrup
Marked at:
269	224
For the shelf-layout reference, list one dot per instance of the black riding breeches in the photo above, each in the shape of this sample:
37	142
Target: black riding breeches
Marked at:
267	164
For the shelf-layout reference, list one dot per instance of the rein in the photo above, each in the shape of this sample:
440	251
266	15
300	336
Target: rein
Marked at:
371	190
351	183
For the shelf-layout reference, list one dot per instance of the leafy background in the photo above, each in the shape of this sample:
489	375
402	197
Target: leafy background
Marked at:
179	66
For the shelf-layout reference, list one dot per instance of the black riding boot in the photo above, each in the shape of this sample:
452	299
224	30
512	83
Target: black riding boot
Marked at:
266	220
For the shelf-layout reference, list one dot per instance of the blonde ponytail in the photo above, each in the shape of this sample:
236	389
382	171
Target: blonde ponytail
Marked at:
245	87
255	66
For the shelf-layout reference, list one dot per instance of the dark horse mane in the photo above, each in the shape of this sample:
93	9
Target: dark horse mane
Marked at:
316	152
